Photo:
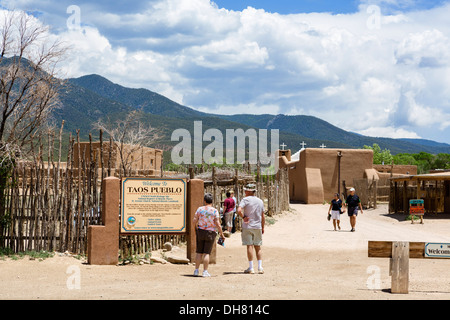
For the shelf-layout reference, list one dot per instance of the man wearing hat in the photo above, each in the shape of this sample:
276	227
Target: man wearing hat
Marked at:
353	202
251	209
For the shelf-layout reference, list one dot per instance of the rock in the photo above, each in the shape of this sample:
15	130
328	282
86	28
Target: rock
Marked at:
177	260
158	260
167	246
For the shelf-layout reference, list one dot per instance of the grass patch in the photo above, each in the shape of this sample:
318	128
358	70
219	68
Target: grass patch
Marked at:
33	255
410	217
270	221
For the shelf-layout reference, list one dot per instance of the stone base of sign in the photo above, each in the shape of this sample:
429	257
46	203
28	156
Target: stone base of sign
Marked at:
103	241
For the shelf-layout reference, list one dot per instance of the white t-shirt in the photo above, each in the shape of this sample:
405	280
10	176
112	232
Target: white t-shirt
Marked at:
253	208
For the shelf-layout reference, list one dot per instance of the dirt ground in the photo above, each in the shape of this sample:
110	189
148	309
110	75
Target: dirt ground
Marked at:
303	259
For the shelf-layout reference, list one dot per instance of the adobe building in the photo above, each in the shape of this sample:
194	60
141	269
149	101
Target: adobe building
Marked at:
147	159
386	172
318	173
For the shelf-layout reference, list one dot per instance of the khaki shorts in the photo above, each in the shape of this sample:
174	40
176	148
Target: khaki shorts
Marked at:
229	218
251	237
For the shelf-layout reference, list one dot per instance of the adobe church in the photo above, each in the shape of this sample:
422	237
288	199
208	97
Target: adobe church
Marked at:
318	173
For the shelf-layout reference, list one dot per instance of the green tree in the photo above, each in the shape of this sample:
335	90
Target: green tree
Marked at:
405	159
380	156
441	161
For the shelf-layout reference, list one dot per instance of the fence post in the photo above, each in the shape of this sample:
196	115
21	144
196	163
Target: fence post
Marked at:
399	267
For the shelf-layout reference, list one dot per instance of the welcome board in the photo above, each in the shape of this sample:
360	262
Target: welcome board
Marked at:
153	205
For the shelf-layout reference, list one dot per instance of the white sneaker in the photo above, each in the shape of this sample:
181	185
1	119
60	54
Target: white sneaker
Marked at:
196	272
260	270
249	270
206	274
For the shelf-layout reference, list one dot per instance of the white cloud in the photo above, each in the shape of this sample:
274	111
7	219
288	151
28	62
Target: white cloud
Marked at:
251	108
389	132
391	80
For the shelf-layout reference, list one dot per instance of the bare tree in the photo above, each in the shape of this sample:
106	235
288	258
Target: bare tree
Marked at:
28	86
129	135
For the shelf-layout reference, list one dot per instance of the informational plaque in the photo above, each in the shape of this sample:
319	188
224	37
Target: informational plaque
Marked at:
153	205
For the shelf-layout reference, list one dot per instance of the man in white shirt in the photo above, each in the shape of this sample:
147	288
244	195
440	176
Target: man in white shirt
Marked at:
251	209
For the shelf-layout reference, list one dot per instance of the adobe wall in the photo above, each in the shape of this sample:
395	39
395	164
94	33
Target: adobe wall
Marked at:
396	169
355	164
144	158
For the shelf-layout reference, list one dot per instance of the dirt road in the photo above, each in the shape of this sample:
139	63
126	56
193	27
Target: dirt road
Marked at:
303	259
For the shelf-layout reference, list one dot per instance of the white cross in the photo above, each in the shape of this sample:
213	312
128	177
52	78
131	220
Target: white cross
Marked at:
303	144
283	146
323	146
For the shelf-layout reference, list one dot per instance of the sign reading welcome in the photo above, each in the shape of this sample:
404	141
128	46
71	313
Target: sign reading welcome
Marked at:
153	205
437	250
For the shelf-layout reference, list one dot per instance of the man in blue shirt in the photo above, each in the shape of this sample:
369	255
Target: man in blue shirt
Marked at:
353	203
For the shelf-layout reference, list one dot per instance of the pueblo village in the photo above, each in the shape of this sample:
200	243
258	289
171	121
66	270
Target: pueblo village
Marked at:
209	151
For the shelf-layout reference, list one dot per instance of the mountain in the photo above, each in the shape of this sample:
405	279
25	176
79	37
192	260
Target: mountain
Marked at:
148	101
312	127
87	99
428	143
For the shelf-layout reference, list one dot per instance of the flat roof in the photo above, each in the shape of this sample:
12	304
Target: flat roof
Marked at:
428	176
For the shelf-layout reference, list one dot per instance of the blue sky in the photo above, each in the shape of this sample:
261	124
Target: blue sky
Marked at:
292	6
375	67
330	6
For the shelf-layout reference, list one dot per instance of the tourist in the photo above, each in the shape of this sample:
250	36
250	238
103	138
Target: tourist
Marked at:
233	230
353	203
251	209
206	220
228	207
335	209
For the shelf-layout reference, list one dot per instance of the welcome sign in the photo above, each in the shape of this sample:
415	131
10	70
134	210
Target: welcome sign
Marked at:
153	205
437	250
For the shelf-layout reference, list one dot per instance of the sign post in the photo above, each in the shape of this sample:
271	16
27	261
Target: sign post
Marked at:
400	252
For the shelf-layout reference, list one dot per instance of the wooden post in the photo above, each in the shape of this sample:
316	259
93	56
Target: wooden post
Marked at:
400	253
399	267
375	193
405	197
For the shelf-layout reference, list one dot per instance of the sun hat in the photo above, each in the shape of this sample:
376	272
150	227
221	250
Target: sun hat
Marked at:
250	187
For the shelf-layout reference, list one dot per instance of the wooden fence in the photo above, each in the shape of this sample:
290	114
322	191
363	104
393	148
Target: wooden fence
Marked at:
48	204
432	192
371	192
272	189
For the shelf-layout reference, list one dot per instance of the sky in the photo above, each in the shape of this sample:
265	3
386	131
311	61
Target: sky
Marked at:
374	67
